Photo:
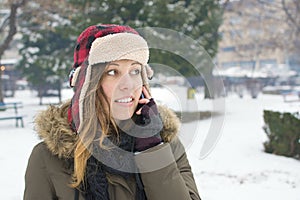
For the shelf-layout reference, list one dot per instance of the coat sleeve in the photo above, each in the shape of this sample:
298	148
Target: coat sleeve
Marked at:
166	173
37	182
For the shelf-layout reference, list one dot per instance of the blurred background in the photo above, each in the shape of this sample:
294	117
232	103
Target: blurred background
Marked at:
253	44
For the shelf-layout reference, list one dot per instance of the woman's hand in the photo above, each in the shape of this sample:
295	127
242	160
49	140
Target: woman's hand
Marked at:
146	113
148	103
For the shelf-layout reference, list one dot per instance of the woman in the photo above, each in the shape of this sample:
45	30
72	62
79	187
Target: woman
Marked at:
110	141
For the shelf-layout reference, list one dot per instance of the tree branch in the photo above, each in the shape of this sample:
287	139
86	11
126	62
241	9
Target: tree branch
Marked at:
297	5
12	25
289	16
224	5
4	24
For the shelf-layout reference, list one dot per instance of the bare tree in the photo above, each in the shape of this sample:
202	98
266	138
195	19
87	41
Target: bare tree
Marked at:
10	25
289	40
255	30
292	9
253	36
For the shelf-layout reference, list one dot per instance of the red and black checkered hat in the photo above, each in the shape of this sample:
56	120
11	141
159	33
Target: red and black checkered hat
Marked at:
102	44
88	36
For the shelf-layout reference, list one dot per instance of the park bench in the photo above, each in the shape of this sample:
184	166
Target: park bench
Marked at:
15	106
11	105
17	118
291	95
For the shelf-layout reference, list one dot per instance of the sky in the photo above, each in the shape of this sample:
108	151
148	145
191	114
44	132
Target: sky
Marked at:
236	168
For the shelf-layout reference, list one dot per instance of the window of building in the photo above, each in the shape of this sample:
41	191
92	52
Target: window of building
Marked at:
245	47
228	49
245	64
229	64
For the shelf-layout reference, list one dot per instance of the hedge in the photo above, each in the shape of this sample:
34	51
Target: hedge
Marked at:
283	131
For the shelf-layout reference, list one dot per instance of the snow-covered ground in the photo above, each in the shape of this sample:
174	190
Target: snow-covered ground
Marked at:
237	168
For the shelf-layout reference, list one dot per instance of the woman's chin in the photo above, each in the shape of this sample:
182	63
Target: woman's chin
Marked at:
122	115
123	112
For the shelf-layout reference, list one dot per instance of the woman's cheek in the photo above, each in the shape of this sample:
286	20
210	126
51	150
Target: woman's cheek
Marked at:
108	89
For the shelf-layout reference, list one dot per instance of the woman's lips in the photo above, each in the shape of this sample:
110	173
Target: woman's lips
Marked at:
125	101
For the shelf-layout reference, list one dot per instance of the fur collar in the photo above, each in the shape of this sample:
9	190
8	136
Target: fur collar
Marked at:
53	128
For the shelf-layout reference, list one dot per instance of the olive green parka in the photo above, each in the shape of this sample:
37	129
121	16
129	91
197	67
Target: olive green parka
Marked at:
48	173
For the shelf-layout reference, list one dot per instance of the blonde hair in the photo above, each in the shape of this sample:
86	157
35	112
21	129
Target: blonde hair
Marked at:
97	107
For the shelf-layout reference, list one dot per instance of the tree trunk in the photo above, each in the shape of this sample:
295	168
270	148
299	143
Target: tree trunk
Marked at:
59	92
1	92
40	91
11	32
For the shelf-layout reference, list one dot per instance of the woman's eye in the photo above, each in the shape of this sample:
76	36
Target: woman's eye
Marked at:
111	72
135	72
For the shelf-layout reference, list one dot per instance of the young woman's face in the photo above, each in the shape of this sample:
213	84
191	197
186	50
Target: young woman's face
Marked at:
122	85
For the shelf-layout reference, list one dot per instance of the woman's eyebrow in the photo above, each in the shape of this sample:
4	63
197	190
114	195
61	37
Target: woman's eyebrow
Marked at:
136	63
115	64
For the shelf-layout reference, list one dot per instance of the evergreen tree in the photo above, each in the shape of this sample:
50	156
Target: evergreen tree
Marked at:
198	19
46	52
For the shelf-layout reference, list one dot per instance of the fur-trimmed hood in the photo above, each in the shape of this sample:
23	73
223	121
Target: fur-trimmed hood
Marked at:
53	128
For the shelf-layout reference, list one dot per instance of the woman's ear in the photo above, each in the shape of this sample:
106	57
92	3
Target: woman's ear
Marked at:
149	72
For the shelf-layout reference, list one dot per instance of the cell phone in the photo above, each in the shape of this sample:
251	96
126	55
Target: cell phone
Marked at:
142	96
140	105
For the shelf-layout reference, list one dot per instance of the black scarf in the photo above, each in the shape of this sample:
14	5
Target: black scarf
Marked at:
96	184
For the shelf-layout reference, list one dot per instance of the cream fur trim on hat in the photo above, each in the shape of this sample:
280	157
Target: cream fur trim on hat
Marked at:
75	75
119	46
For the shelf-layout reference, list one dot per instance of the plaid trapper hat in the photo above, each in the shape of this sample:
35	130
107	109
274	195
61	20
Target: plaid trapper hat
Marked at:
102	44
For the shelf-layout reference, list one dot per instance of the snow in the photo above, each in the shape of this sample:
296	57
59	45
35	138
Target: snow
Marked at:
237	167
267	71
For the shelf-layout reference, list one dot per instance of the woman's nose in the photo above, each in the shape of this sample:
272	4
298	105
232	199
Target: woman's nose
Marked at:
126	82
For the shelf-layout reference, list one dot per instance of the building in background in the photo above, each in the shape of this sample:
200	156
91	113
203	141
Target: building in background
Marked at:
256	41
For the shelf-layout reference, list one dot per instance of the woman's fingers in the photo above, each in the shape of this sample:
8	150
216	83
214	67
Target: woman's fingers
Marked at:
146	93
139	111
142	101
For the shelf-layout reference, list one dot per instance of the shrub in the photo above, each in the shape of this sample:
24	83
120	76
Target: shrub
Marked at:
283	131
